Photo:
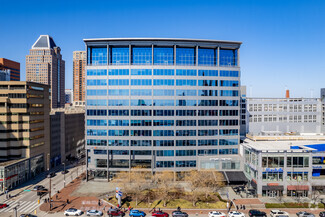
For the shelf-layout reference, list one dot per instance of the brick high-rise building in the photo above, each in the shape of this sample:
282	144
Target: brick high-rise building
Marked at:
44	65
79	63
12	66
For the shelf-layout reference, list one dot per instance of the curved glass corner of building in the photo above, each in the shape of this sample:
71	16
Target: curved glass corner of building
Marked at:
162	104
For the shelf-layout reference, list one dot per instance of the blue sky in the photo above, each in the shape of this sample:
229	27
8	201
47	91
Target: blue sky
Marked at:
283	40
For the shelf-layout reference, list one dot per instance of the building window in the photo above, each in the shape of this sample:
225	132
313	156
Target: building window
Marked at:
185	56
141	55
207	56
163	55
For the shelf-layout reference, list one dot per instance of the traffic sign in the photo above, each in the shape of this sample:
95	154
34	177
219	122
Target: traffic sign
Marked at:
27	190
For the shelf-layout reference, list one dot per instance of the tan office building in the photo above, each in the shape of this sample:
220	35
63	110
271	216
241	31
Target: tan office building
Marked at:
79	64
24	131
44	65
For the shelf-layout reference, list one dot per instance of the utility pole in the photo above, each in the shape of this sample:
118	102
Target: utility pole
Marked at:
15	209
64	174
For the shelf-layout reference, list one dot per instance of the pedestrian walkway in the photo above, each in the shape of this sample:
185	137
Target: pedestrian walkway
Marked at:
22	206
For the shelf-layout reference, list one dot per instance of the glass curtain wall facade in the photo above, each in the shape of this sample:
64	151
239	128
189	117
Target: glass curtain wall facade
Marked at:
160	104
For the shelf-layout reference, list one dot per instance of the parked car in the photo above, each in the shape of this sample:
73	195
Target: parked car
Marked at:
3	205
73	211
216	214
50	175
37	187
160	213
278	213
322	214
304	214
65	171
236	214
115	212
136	213
256	213
179	214
94	212
27	215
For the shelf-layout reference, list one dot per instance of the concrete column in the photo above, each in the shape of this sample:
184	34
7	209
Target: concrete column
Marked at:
259	175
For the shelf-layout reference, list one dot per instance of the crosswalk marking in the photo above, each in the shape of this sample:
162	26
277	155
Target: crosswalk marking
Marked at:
24	206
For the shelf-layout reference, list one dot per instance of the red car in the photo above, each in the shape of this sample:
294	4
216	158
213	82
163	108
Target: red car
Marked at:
3	205
115	212
160	214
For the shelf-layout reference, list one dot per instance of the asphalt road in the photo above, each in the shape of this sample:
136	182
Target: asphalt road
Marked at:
27	201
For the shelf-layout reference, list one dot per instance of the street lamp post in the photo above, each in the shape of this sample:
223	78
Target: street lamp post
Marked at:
63	174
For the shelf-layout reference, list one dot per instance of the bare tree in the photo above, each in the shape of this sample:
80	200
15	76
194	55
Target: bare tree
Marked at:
211	181
165	182
195	182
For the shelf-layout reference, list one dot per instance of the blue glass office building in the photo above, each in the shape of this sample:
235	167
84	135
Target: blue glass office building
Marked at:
162	104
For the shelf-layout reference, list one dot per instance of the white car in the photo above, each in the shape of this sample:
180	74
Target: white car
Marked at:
276	213
73	211
236	214
217	214
94	212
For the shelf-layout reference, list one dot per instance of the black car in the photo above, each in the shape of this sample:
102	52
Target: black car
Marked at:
65	171
322	214
38	187
42	191
257	213
179	214
50	175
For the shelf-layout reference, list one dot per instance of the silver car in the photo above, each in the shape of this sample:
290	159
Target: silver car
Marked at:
94	212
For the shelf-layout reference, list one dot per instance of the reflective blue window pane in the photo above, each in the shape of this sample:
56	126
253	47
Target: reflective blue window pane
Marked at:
163	82
163	122
186	163
97	92
118	122
163	143
208	93
163	102
186	92
96	82
95	132
96	72
163	133
141	102
228	57
185	142
163	72
228	102
185	72
164	164
208	83
228	142
224	73
141	112
140	143
96	112
185	82
208	103
228	151
226	83
118	102
118	82
141	133
141	92
206	56
228	92
96	142
228	132
118	133
208	142
141	55
141	123
91	122
183	102
113	112
97	55
165	153
185	56
118	142
141	82
207	152
163	55
118	72
163	92
141	72
119	55
185	152
96	102
208	72
118	92
185	132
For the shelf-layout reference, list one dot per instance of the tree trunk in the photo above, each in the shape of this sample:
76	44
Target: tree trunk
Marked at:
206	195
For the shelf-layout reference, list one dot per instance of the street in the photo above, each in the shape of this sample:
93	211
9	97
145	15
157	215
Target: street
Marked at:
27	201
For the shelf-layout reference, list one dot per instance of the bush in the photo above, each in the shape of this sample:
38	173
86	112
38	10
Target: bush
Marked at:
292	205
